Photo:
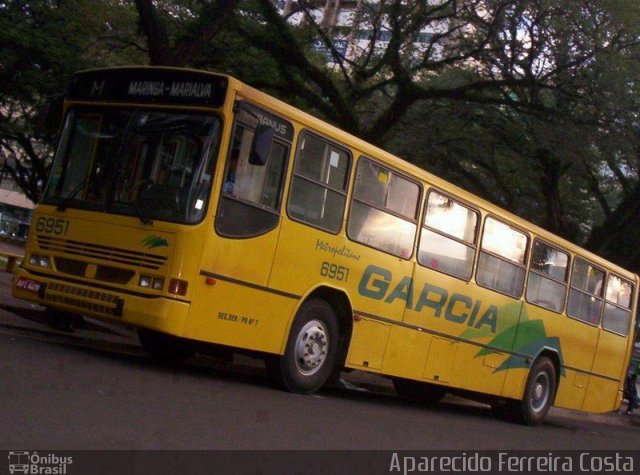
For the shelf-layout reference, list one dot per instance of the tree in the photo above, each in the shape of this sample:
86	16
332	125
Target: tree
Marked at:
176	32
531	104
504	98
613	172
454	62
42	42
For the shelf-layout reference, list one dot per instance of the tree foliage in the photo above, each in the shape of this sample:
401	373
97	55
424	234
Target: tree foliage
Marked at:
177	32
42	42
531	104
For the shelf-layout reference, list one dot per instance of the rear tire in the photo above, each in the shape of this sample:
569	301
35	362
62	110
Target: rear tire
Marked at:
418	391
163	347
311	350
539	393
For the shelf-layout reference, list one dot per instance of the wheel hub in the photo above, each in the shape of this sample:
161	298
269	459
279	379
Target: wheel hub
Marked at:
311	347
537	393
540	392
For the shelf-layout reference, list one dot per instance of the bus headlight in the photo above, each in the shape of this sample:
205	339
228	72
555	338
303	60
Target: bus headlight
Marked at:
40	261
157	283
148	282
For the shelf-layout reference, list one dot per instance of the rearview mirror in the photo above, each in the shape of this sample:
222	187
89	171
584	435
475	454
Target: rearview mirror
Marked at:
261	145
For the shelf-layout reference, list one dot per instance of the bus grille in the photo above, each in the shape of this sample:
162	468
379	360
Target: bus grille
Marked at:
102	272
86	299
96	251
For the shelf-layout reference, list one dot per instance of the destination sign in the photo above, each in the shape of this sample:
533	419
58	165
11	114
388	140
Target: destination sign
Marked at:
162	86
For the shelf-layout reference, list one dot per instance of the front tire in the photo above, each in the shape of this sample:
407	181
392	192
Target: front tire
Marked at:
311	350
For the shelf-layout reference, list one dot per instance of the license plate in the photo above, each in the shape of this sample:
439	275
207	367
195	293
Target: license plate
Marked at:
28	284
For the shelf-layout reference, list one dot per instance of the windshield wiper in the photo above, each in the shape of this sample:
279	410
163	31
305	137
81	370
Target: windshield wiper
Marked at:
123	180
144	219
121	177
67	199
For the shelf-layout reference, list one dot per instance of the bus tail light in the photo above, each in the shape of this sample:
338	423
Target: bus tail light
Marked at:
178	287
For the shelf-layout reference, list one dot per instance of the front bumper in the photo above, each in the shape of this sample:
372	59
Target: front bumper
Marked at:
157	313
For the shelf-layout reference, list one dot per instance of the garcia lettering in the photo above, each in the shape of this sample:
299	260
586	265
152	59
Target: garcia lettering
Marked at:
376	283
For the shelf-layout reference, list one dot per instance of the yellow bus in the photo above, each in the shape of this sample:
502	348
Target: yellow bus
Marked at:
201	210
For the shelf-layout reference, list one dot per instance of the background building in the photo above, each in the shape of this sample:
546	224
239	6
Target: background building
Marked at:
15	211
354	27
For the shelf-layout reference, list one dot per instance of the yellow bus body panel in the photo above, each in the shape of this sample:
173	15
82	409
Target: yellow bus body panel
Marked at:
609	368
93	270
238	315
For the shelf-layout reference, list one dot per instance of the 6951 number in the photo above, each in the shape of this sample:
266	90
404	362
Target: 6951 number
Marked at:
55	226
334	271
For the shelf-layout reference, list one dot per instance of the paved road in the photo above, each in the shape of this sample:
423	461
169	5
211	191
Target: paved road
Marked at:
95	389
69	395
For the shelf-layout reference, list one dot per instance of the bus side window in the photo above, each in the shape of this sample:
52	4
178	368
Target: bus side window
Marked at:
319	185
501	265
251	193
448	239
585	295
384	210
617	307
547	284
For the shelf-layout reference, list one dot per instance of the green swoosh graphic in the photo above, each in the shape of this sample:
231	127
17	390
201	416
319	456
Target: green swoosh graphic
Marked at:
154	241
523	336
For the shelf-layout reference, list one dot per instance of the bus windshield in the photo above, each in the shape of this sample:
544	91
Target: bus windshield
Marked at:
149	164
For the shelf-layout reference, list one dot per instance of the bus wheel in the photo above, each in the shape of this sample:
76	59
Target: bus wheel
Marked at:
418	391
311	350
539	392
163	347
